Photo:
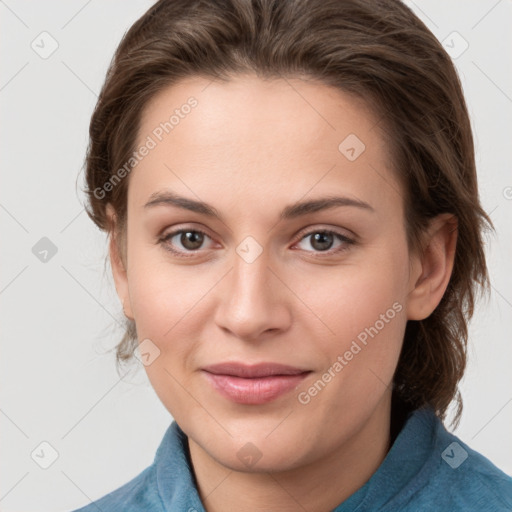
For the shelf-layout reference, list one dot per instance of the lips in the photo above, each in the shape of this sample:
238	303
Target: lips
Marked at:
253	371
253	384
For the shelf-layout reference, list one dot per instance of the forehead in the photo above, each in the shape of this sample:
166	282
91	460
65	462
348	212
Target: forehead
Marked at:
276	111
282	136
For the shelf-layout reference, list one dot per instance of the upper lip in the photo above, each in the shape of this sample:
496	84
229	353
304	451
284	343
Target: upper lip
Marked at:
253	370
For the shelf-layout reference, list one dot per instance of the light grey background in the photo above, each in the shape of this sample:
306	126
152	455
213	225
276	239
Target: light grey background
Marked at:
58	323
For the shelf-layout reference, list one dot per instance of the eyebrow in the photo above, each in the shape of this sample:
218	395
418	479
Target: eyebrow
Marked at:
292	211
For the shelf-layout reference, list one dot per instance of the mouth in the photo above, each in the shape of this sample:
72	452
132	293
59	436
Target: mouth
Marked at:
254	384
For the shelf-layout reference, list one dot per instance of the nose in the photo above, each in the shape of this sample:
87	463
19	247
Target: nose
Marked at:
253	302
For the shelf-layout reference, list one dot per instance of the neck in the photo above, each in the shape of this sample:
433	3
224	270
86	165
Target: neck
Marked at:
317	487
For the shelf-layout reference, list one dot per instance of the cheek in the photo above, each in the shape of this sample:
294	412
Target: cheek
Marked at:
163	294
360	358
350	299
168	308
364	309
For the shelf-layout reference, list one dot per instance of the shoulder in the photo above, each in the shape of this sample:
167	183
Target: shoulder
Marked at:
139	494
457	478
169	480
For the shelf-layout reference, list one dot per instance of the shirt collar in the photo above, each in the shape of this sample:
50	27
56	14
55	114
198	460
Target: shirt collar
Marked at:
405	460
175	478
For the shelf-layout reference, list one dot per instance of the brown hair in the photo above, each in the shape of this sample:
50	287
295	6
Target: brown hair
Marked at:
376	49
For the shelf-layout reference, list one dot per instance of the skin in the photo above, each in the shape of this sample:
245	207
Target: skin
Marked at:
249	149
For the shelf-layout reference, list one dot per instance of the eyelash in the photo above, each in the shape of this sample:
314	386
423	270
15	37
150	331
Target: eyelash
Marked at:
330	252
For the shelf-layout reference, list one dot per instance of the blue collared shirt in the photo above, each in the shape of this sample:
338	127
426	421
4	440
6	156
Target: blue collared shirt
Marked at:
426	469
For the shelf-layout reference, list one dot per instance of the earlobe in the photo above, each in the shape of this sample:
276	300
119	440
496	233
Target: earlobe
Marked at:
118	264
434	267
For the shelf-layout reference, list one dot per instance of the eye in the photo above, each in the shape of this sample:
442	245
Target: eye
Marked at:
323	240
184	240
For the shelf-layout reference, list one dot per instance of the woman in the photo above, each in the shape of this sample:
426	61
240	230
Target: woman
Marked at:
290	192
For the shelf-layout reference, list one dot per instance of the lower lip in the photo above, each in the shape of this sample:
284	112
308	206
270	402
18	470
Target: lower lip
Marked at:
254	391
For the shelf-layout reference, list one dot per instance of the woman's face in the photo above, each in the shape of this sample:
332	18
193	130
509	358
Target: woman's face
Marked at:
296	255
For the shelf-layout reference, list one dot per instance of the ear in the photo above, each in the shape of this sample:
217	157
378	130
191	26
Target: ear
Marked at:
118	263
432	269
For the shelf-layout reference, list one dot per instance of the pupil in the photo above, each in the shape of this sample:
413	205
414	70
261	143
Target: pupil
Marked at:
322	241
192	240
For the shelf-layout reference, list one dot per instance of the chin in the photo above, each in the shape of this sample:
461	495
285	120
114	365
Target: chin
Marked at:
259	449
267	459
